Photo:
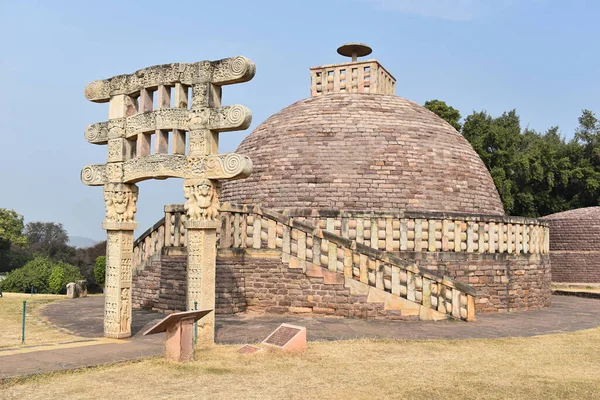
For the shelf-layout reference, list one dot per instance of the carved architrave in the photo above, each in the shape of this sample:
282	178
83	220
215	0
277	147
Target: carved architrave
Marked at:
222	72
220	119
160	166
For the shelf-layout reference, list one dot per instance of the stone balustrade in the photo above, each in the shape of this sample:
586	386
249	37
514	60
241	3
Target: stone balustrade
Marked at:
434	232
395	232
303	244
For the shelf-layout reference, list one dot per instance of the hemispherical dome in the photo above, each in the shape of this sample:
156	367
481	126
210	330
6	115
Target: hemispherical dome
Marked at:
575	230
363	152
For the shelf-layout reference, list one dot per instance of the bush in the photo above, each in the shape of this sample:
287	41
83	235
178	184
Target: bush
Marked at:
42	273
100	270
60	275
57	276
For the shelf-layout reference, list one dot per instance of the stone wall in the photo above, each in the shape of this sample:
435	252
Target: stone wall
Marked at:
575	266
258	280
504	282
575	245
161	285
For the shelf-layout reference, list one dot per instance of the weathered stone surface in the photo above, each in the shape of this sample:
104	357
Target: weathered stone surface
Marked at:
83	290
72	291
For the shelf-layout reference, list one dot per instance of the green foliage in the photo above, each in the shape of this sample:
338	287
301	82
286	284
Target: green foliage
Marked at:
11	228
42	273
444	111
47	238
100	270
538	174
35	273
56	278
60	275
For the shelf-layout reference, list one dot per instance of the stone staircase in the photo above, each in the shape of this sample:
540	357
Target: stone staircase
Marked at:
369	275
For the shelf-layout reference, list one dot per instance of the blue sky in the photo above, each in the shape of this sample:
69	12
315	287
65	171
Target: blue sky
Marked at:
538	56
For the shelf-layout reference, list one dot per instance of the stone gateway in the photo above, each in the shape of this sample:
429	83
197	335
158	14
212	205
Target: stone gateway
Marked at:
152	105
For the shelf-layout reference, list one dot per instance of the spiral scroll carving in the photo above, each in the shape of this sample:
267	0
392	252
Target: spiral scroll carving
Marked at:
238	65
232	164
92	90
92	133
236	115
93	175
96	133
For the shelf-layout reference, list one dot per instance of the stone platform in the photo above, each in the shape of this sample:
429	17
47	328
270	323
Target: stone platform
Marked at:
83	317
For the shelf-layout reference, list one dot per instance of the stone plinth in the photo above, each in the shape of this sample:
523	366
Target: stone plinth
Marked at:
352	77
179	328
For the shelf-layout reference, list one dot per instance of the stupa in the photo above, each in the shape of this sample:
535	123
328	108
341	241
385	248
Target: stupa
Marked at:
575	245
361	204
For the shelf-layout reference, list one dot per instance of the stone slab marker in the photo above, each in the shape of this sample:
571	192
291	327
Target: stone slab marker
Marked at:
179	328
187	102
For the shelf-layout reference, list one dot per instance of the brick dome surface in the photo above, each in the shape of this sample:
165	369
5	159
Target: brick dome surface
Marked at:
363	152
577	230
575	245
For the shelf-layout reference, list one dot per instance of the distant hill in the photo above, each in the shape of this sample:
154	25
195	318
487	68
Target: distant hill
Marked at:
81	242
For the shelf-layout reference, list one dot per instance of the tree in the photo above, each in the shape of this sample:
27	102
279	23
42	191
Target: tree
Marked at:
444	111
100	271
538	174
11	234
11	227
499	143
60	275
46	237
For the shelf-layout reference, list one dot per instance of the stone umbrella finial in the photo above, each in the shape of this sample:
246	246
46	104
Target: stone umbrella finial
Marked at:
354	50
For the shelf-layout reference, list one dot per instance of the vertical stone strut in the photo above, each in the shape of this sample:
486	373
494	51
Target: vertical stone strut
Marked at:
136	121
202	209
120	202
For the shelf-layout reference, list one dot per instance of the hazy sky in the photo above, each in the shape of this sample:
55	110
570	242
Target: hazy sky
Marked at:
538	56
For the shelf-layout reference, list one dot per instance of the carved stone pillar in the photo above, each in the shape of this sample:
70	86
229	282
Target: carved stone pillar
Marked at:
120	201
202	208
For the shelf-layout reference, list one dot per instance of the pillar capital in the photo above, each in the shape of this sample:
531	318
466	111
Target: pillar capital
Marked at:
120	202
202	197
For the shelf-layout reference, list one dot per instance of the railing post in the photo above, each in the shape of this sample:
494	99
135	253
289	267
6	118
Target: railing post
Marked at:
23	323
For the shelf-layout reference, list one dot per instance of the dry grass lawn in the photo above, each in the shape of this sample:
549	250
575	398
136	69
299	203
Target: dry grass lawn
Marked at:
546	367
37	331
